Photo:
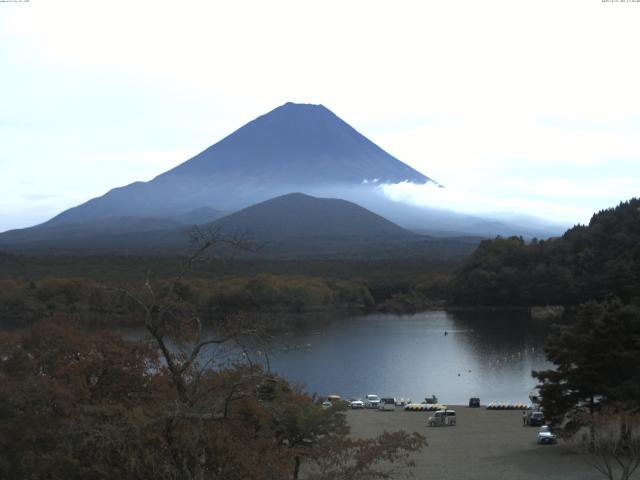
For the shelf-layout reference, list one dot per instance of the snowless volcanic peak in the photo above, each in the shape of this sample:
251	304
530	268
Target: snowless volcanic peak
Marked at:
294	148
300	143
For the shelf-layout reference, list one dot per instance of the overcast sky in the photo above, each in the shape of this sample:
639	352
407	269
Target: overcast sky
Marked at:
515	106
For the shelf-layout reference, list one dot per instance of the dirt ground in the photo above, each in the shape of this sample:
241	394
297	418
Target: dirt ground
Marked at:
485	444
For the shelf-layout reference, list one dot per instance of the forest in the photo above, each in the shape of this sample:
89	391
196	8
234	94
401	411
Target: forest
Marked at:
89	289
589	262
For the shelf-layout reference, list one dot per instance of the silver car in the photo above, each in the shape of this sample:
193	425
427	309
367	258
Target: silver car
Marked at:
546	436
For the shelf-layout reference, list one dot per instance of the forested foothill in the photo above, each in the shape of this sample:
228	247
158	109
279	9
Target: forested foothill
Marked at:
589	262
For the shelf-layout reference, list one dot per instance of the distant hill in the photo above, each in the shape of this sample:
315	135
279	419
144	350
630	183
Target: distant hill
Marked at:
586	263
290	226
299	216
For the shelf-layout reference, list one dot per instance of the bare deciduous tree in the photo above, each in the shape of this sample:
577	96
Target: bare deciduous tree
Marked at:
185	348
611	441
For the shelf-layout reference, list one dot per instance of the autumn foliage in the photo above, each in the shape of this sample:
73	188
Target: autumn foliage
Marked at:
77	404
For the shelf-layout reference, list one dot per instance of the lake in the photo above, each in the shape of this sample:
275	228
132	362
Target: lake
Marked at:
485	353
489	354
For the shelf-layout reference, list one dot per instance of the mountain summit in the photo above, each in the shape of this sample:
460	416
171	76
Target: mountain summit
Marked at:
295	147
299	144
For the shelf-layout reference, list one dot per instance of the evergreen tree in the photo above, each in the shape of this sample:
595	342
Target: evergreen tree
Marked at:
595	360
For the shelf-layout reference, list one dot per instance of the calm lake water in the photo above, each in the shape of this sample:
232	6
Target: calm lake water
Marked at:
484	354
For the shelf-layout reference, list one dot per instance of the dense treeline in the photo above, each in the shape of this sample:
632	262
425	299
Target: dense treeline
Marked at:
88	289
91	303
586	263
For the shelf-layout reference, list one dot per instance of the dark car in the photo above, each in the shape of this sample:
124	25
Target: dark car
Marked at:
535	419
474	402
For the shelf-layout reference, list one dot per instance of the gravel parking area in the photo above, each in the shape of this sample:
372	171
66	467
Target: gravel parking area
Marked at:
485	444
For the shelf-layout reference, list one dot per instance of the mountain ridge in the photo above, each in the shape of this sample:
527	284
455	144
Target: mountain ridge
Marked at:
290	226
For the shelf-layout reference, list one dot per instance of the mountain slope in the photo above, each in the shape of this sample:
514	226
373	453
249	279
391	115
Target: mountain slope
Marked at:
295	147
98	231
298	144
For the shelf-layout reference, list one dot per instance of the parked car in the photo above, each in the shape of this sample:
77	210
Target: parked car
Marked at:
371	401
474	402
356	403
387	404
546	436
327	404
535	418
442	418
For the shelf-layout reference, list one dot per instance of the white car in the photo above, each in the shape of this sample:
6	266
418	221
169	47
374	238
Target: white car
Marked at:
371	401
546	436
356	403
327	404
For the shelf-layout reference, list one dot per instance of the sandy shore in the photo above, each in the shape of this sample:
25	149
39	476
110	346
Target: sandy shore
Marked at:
485	444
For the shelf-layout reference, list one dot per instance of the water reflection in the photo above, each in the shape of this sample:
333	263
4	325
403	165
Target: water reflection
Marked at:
475	353
452	355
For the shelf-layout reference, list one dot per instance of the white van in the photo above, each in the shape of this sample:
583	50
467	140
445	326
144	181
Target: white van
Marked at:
387	404
441	418
371	401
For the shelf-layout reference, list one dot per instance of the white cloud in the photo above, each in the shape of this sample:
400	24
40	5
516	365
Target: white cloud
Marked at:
552	170
555	206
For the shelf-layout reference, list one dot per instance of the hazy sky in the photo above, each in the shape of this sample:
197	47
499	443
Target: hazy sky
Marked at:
527	106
